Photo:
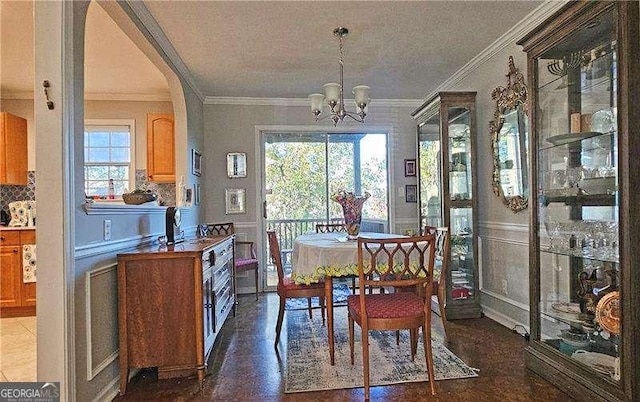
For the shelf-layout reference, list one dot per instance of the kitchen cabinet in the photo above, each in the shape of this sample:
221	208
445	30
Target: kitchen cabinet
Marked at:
172	304
13	148
17	298
447	191
161	157
584	260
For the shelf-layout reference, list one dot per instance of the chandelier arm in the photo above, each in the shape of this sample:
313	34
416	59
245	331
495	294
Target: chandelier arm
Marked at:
341	74
355	116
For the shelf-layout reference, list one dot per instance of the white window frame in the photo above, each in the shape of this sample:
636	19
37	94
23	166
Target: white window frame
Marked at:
131	123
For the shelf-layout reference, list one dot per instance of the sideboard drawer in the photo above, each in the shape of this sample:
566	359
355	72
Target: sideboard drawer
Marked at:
10	238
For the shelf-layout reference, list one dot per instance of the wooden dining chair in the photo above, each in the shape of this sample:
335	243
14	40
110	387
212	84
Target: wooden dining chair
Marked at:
443	240
394	263
244	253
335	228
330	228
287	288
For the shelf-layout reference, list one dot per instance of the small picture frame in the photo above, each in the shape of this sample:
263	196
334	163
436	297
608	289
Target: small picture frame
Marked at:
409	168
234	201
411	193
196	163
188	197
236	164
196	194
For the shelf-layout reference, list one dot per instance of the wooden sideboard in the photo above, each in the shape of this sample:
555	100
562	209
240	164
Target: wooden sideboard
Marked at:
17	298
172	303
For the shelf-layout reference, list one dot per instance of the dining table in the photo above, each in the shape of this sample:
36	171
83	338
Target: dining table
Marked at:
323	256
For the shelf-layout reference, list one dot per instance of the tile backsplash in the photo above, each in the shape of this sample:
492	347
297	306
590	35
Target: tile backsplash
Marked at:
166	191
10	193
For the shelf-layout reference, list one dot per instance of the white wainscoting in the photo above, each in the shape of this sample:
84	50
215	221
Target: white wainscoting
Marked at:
95	364
507	236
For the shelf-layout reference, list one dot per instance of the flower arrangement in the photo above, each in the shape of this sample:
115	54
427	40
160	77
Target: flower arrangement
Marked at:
352	210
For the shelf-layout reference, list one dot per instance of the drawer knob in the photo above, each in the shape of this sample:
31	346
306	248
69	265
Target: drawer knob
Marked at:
2	238
15	251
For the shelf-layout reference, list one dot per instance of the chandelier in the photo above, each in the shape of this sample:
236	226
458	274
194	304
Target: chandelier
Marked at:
334	93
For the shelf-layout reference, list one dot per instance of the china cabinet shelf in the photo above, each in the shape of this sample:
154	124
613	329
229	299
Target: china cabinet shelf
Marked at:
581	200
578	252
584	271
570	139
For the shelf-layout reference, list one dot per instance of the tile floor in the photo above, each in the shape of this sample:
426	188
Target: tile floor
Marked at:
18	349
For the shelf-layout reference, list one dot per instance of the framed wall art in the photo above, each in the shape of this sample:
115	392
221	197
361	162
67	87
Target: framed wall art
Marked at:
234	201
196	194
411	193
409	168
196	162
236	164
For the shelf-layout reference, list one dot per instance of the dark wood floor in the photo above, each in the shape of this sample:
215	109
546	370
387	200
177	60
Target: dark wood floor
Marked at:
245	367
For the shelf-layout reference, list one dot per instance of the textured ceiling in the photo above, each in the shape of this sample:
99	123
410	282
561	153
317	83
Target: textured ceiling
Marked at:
285	49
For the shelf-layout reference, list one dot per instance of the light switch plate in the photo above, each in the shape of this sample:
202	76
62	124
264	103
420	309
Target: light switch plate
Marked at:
106	229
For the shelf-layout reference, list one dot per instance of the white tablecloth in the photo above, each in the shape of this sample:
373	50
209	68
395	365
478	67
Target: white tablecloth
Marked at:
316	255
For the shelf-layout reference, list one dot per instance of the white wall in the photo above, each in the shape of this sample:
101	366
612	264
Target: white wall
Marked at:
232	128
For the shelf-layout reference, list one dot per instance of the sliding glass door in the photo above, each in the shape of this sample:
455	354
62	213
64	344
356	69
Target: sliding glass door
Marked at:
303	170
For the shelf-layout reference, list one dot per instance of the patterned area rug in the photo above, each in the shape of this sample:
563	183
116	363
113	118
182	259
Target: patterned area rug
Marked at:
340	293
308	367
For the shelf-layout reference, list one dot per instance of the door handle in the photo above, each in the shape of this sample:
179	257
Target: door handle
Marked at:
264	209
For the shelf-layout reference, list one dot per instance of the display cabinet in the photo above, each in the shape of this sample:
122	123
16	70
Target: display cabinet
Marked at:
447	191
584	259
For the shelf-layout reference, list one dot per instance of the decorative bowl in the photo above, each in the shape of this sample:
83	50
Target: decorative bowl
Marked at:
139	198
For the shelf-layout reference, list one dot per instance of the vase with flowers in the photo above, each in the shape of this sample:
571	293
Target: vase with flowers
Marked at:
352	210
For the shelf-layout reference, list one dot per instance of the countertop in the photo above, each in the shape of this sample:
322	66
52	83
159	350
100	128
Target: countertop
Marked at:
17	228
187	246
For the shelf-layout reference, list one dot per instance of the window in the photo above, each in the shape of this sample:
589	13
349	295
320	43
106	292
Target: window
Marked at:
109	155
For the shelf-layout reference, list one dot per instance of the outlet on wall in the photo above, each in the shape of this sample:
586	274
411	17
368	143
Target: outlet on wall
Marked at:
106	229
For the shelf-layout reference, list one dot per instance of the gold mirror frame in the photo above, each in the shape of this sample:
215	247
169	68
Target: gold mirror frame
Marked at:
512	97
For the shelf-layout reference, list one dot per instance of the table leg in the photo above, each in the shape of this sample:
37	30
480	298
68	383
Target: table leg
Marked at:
328	297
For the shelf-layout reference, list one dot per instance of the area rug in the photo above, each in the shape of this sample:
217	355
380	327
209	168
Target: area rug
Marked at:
309	369
340	293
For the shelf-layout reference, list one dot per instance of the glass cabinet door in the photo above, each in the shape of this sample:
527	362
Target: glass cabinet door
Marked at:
446	157
578	180
584	276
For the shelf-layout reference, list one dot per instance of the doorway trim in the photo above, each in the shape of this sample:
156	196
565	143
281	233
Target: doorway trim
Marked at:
261	130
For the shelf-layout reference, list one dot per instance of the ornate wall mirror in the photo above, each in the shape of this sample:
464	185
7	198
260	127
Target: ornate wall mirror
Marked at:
509	132
236	164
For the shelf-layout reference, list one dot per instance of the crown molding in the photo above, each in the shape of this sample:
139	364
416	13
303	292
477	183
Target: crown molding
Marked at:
524	26
156	36
303	102
6	95
159	97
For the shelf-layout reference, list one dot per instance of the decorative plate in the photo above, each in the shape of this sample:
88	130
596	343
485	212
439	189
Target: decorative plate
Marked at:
573	308
608	312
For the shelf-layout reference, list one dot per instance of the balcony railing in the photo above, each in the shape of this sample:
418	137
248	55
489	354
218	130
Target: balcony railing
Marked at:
288	229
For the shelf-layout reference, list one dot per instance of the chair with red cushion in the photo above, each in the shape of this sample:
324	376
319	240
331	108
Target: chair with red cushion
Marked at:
289	289
244	254
394	263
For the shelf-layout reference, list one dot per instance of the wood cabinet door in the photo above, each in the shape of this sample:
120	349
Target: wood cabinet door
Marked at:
10	278
28	291
13	148
161	160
